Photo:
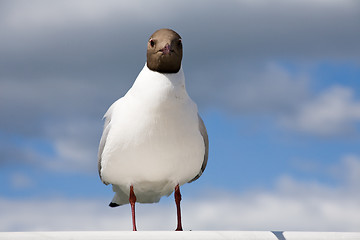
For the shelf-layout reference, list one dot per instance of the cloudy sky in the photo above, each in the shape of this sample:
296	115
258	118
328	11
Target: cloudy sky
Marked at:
277	84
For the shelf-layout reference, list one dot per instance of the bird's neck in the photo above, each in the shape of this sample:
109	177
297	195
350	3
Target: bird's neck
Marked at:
175	78
152	83
153	78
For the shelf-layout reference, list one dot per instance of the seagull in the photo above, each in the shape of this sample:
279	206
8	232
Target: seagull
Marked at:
154	140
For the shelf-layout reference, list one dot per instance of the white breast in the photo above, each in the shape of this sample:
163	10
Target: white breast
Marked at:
154	140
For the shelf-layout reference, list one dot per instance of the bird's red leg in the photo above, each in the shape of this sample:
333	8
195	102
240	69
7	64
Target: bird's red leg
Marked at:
177	196
132	200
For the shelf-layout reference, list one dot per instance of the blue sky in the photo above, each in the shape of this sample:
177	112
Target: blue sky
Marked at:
277	85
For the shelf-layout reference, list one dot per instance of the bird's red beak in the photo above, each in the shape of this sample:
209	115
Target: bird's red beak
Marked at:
167	49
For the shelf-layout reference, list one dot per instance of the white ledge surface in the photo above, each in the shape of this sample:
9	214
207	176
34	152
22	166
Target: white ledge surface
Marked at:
195	235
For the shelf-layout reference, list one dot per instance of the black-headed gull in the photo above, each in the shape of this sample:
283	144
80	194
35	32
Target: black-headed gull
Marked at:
154	140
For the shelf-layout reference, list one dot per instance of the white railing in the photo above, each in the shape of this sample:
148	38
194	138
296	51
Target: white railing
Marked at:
193	235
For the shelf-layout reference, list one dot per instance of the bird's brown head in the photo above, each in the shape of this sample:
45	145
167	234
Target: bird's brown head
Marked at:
164	51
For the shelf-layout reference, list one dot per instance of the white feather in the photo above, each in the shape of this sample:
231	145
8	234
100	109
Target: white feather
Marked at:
153	141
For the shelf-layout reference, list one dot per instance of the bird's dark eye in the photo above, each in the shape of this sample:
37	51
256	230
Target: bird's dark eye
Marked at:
152	43
179	42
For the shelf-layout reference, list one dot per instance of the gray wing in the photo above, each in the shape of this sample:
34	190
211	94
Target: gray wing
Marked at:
103	140
204	134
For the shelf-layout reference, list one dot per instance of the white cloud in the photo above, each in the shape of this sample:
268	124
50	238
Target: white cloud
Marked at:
273	89
68	146
334	112
350	171
292	205
48	14
267	88
75	145
249	28
20	180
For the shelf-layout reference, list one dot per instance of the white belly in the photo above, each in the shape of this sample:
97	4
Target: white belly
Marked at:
152	149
